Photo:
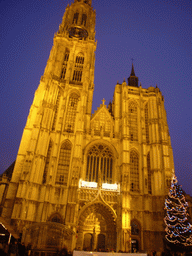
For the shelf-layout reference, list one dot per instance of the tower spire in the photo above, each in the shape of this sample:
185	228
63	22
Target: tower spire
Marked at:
133	79
132	70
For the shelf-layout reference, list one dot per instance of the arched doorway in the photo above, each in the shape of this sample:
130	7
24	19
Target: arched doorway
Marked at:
135	236
88	242
97	228
134	246
101	242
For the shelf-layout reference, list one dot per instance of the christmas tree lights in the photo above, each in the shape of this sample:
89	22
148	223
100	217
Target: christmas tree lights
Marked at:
178	229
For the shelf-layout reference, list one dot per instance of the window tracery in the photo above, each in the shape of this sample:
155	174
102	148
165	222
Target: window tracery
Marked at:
71	113
75	18
134	171
132	115
135	228
99	164
78	69
84	19
149	174
64	66
147	123
63	164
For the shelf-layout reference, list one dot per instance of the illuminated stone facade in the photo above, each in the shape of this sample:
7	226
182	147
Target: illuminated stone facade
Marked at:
83	180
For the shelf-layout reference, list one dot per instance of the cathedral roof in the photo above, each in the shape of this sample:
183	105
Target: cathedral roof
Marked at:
9	171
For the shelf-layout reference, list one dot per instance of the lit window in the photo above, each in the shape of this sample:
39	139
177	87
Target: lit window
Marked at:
133	130
63	164
64	66
71	113
134	171
99	164
78	69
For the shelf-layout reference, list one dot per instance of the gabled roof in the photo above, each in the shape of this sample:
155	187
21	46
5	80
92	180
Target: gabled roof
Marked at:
9	171
100	109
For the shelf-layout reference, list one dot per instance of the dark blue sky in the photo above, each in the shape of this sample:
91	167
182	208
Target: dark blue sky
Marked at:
156	33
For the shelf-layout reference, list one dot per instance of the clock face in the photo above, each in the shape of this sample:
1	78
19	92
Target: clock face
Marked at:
78	32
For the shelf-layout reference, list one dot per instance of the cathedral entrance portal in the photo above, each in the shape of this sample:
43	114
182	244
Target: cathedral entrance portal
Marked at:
97	228
88	242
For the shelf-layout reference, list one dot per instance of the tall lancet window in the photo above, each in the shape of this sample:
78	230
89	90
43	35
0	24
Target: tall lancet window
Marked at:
133	130
99	164
134	171
78	69
147	123
47	161
75	18
149	174
56	110
84	19
64	66
71	113
63	164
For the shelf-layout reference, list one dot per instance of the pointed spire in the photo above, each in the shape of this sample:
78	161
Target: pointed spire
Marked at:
132	70
133	79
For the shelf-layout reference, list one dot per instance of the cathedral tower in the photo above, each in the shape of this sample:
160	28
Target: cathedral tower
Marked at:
89	181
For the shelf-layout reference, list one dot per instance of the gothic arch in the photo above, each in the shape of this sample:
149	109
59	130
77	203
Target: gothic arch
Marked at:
99	206
134	171
74	91
71	112
64	162
101	141
133	102
99	162
55	217
66	141
135	235
97	218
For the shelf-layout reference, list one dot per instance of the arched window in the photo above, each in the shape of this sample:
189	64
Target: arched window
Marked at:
71	113
135	229
149	174
99	164
147	123
132	115
64	66
75	18
63	164
78	69
47	161
84	19
56	219
134	171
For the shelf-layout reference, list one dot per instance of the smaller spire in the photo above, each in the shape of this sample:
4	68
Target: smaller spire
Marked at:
133	79
132	70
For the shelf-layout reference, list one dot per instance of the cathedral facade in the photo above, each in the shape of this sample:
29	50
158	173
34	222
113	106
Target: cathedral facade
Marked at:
90	181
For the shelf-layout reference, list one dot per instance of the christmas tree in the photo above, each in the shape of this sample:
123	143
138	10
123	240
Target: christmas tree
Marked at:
178	229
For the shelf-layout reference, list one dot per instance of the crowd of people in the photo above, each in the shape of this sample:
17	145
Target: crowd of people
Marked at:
16	248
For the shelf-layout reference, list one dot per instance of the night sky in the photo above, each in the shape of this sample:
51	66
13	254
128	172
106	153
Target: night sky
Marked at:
155	33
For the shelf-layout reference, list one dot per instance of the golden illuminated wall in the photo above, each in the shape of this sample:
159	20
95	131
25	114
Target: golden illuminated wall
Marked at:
124	148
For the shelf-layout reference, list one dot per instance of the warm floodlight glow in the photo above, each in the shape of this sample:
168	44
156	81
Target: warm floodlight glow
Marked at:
88	184
109	186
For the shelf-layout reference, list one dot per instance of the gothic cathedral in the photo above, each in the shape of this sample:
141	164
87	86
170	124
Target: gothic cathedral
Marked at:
90	181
